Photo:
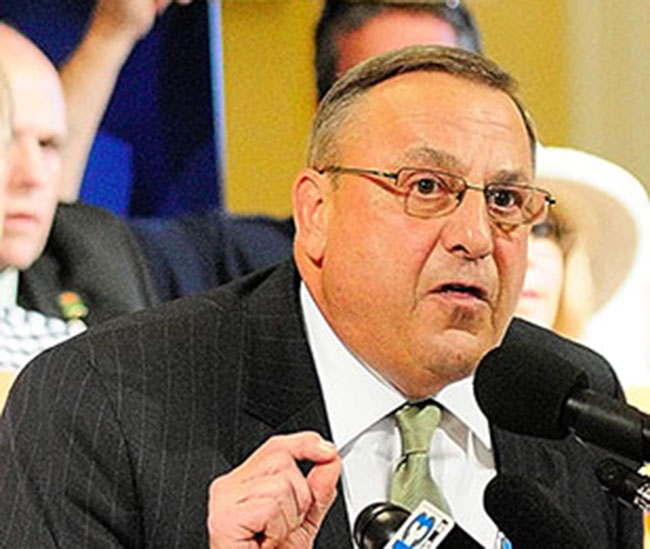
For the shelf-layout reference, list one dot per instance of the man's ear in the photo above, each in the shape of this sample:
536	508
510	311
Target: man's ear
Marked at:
310	193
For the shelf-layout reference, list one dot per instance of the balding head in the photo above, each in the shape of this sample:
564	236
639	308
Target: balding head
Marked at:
34	167
18	53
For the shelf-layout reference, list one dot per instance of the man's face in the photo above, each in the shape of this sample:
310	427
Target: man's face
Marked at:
34	162
392	29
422	300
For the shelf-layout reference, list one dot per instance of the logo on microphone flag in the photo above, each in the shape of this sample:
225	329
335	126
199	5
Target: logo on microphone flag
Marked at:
426	527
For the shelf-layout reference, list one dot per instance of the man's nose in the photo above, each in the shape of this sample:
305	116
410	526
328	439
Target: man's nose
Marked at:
468	231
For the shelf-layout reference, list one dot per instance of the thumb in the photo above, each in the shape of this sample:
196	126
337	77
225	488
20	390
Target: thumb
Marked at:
322	480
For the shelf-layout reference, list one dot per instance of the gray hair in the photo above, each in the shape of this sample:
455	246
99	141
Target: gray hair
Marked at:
336	107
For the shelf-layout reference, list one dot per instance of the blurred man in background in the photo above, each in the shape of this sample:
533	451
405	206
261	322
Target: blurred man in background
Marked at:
62	267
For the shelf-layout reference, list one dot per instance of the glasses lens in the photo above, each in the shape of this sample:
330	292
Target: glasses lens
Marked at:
429	193
514	204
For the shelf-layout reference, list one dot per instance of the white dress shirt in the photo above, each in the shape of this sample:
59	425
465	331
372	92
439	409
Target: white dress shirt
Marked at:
359	404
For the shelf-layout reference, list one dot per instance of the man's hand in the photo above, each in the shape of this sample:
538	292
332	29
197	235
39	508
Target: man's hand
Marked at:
132	18
267	502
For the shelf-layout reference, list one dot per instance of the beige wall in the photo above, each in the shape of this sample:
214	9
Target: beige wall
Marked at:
270	95
530	42
610	84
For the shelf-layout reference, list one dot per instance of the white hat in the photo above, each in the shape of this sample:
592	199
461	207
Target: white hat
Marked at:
605	204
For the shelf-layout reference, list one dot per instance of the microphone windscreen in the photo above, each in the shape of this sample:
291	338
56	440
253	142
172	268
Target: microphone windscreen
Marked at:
527	515
524	389
376	524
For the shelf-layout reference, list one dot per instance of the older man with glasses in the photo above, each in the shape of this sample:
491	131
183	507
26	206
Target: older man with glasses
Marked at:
190	425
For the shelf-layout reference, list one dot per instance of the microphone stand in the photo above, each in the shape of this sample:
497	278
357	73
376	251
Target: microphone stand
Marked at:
629	486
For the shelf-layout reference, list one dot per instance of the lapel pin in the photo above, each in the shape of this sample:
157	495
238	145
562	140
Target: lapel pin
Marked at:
72	306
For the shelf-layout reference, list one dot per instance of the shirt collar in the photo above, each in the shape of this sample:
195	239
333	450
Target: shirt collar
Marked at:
356	396
459	399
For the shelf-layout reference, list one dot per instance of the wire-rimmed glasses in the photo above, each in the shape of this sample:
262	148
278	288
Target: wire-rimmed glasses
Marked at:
434	193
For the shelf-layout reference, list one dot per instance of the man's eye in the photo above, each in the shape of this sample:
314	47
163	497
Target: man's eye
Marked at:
426	185
48	143
505	198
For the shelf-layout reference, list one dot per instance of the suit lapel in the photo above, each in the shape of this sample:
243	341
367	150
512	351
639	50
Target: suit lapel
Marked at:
281	391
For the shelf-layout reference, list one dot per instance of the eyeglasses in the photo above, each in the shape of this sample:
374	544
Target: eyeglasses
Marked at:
434	193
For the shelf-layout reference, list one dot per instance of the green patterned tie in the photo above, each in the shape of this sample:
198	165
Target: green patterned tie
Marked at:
412	480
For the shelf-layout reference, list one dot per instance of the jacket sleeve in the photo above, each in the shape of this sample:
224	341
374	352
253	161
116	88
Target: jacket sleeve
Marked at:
65	471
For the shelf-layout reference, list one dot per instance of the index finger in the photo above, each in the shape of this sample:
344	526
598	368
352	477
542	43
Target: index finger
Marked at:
305	445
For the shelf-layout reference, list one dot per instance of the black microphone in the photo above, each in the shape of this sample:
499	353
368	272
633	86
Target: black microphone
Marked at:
379	522
527	515
531	391
624	483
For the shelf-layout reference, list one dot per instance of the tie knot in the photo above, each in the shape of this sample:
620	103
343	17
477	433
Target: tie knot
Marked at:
416	423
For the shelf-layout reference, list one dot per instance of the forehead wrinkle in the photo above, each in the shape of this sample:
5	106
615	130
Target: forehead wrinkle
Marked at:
431	157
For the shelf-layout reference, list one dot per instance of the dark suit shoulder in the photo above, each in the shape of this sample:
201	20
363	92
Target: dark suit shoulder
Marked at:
93	218
211	320
91	254
141	413
195	253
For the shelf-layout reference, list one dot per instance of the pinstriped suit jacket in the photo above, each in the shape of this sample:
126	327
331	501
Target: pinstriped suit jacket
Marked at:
112	439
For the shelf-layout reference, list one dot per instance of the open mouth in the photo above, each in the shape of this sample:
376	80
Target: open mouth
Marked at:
463	289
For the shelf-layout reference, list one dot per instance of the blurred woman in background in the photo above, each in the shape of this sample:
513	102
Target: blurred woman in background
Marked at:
588	260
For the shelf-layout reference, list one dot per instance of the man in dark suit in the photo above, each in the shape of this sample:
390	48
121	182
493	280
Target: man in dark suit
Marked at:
66	261
191	425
